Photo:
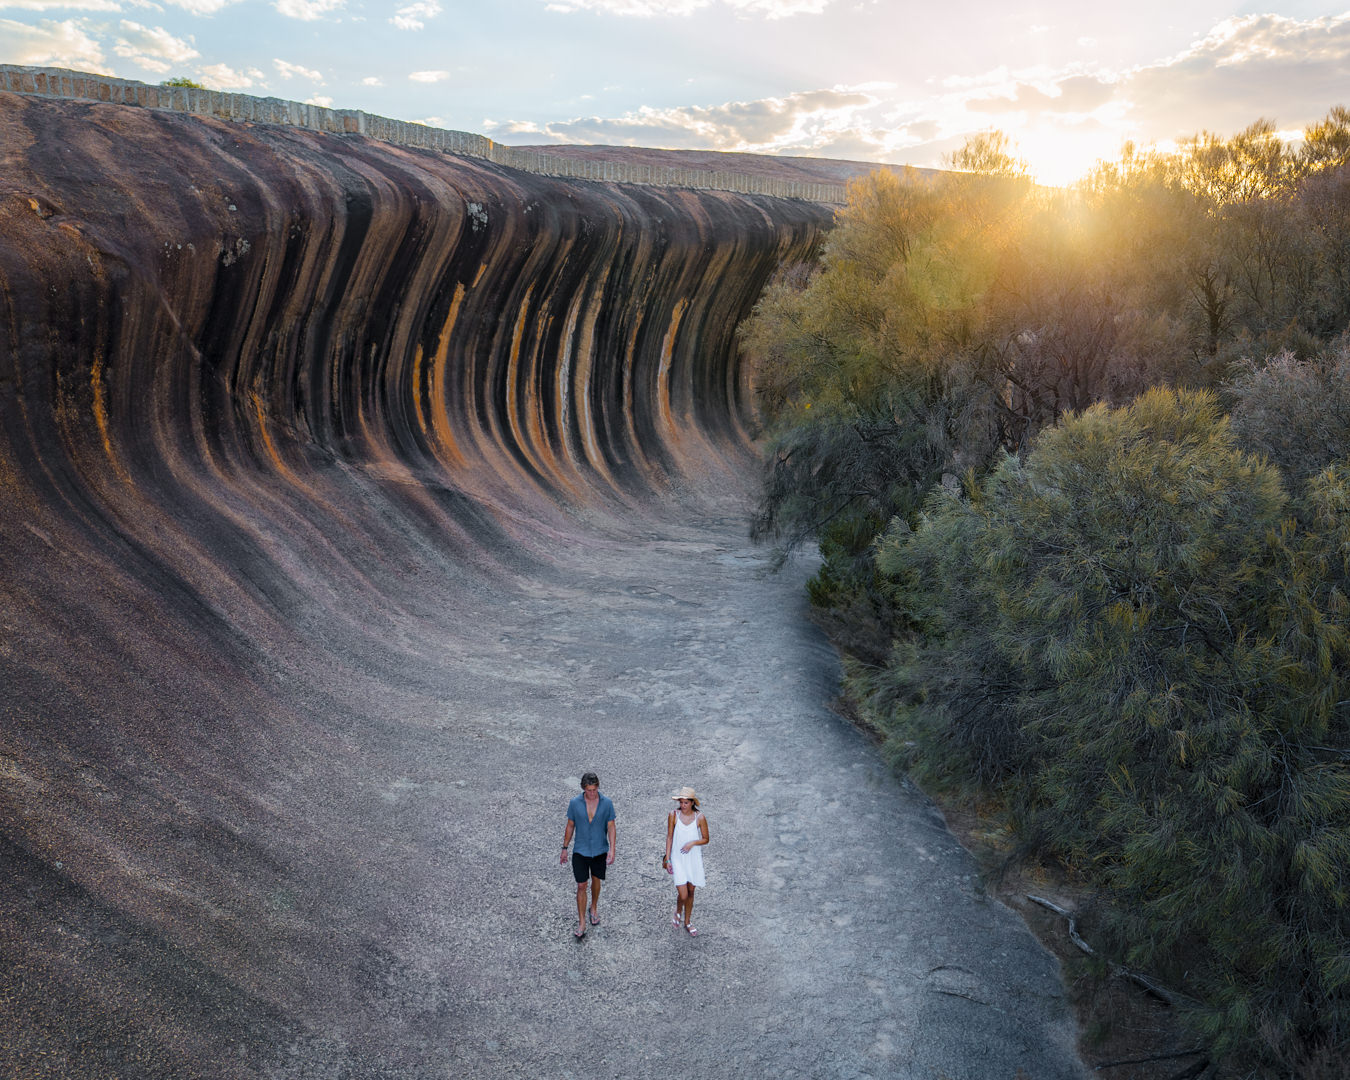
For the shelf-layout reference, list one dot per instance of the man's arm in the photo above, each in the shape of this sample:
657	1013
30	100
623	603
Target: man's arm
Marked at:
567	838
613	840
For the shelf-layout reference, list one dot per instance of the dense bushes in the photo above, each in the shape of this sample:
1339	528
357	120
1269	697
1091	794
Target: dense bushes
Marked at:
1124	611
1129	638
1295	412
974	309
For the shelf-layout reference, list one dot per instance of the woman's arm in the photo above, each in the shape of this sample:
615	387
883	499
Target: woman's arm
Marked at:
702	833
670	833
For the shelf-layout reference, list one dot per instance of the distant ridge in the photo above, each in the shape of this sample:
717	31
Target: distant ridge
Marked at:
813	170
812	179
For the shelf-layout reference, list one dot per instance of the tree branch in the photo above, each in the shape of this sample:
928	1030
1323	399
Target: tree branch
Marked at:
1172	997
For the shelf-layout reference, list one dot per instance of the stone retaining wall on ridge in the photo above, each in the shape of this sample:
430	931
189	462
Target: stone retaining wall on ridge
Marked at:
63	83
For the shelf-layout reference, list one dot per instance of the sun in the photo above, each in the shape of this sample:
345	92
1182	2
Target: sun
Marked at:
1057	157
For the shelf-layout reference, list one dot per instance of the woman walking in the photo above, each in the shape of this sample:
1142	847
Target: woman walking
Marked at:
686	832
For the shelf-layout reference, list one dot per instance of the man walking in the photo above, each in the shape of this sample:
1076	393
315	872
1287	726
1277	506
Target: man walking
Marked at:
590	816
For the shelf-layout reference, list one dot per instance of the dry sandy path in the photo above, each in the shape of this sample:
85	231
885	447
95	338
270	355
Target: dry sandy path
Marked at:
844	932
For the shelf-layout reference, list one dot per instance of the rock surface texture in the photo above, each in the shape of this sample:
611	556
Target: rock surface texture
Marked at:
356	499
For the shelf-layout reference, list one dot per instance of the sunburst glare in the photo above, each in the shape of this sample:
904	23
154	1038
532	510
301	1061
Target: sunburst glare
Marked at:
1057	156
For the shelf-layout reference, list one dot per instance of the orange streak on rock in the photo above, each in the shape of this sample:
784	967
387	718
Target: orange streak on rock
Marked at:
513	421
585	354
419	406
663	371
100	408
265	433
438	387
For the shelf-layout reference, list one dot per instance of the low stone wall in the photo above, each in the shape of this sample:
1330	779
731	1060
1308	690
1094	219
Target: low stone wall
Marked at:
63	83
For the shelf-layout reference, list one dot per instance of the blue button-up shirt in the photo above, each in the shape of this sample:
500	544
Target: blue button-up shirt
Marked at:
591	837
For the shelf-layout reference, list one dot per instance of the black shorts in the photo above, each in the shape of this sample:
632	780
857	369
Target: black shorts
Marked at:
588	866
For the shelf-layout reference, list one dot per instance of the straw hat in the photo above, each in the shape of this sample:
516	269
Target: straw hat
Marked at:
687	793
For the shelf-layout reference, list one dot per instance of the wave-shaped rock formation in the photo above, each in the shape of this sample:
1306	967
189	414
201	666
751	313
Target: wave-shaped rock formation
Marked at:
273	403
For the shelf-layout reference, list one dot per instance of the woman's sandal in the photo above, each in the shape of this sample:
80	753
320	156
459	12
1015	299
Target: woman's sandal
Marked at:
692	931
677	921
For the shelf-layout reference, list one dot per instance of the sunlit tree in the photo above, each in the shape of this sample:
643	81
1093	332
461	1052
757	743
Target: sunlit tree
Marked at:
1255	163
1326	144
974	308
863	367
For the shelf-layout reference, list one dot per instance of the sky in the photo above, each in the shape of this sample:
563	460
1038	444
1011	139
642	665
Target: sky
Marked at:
867	80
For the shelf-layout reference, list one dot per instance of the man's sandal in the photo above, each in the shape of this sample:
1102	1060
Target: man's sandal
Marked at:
595	919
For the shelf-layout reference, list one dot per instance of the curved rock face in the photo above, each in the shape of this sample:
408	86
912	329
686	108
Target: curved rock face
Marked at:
249	297
272	404
218	339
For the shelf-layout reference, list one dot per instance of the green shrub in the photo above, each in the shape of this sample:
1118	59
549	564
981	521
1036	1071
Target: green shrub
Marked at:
1295	412
1127	633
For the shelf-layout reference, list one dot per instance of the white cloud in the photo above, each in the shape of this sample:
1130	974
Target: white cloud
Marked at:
307	10
55	44
62	5
201	7
771	9
1254	66
999	76
1069	94
778	9
1061	118
431	121
429	76
1287	70
630	7
152	48
414	16
224	77
371	80
320	99
290	71
796	122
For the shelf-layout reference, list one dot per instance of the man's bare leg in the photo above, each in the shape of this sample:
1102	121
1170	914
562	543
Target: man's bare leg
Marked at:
581	908
595	899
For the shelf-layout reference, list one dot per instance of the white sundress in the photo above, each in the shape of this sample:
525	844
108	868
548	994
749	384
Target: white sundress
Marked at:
688	866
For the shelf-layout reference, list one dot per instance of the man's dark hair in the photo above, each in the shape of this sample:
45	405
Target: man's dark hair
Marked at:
587	779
